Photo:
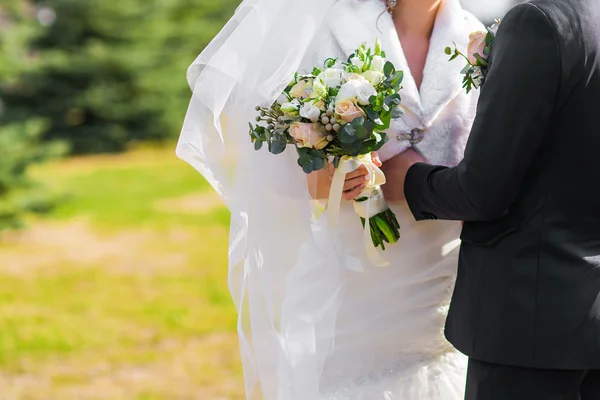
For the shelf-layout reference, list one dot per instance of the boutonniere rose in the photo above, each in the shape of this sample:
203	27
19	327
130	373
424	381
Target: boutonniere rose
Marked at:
480	48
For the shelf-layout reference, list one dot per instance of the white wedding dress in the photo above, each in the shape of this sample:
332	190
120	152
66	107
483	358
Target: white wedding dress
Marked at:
317	320
389	341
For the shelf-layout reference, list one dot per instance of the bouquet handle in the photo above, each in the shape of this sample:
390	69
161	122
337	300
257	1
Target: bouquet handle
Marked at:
374	204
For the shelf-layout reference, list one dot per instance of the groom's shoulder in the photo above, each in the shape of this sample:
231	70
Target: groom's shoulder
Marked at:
562	16
565	15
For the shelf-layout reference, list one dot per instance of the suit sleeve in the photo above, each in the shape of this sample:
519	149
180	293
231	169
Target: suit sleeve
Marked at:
514	112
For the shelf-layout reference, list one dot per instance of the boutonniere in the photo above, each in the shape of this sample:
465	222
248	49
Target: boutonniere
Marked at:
481	44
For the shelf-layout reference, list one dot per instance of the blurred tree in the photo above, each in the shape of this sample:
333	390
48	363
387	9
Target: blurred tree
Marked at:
20	144
109	73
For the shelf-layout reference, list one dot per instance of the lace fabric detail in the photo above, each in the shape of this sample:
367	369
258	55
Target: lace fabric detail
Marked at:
405	377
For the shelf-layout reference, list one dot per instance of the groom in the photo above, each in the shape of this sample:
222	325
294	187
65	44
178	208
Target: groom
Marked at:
526	308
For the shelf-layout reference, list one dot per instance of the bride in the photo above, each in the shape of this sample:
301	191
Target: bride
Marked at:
316	320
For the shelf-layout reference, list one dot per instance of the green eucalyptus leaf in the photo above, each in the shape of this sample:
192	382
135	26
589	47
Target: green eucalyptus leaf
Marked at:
318	163
372	114
317	153
336	161
384	139
397	112
303	151
347	134
386	119
368	146
278	146
388	69
306	162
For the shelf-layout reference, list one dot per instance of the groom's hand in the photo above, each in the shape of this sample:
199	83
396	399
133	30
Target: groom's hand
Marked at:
395	170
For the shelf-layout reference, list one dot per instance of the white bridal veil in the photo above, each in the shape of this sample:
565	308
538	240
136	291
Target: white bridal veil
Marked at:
284	263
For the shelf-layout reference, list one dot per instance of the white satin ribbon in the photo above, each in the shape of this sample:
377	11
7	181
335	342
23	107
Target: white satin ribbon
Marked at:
366	209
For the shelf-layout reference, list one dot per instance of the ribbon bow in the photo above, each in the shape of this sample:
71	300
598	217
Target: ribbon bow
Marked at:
374	204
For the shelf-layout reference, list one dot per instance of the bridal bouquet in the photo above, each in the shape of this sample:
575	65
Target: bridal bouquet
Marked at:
481	45
339	113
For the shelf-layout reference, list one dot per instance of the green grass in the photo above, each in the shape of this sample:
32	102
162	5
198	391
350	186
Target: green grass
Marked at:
126	193
119	293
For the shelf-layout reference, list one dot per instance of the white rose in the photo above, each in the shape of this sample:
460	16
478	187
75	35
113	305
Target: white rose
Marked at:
310	111
356	90
374	77
357	62
331	77
377	63
348	91
364	93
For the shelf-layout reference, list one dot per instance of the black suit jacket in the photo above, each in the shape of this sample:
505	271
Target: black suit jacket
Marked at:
528	287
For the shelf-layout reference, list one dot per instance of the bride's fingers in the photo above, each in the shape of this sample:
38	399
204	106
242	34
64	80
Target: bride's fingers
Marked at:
362	171
354	192
350	184
376	159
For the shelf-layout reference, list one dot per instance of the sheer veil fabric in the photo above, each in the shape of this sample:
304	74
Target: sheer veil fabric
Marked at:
284	264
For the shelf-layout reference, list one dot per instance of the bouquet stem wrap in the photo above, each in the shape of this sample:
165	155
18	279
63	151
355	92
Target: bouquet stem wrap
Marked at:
371	208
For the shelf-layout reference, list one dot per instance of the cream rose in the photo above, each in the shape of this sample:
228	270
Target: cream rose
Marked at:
477	43
308	135
302	89
347	111
356	77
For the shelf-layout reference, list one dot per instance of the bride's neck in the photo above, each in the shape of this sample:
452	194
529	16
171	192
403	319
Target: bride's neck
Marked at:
416	17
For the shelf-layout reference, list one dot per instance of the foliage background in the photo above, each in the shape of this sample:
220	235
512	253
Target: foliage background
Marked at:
115	288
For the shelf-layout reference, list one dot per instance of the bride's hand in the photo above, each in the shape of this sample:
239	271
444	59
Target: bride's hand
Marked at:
395	171
319	183
356	180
